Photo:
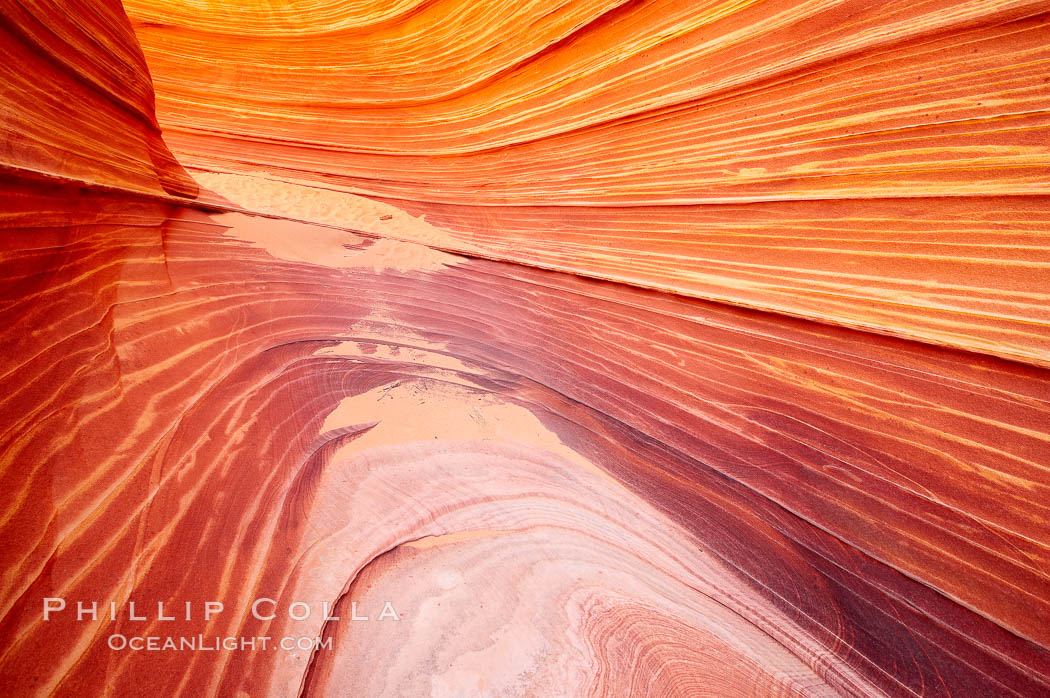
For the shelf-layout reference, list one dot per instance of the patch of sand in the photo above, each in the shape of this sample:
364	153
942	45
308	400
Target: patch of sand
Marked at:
326	246
259	194
422	410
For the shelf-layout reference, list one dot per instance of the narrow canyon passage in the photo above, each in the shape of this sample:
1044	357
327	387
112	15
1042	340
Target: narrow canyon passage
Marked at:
481	349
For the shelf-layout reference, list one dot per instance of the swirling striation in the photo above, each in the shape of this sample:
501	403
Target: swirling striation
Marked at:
876	165
825	489
785	433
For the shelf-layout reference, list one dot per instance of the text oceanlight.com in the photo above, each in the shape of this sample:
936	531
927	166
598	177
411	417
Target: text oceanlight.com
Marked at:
201	643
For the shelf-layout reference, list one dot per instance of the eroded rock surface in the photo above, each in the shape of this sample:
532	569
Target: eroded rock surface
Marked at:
786	433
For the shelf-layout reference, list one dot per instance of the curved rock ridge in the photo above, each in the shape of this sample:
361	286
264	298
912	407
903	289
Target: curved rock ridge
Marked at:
76	101
876	165
562	486
784	431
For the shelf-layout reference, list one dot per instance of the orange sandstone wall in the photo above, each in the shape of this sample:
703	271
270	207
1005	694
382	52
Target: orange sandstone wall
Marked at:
881	165
564	484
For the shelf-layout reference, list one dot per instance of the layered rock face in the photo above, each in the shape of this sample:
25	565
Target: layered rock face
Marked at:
77	99
872	164
784	431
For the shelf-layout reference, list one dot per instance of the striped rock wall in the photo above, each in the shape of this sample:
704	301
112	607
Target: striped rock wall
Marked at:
611	349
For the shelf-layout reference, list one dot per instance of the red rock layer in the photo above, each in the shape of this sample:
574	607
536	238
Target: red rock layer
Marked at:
76	100
561	484
191	417
878	165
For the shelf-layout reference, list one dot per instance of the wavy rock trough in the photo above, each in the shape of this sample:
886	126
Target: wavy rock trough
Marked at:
587	348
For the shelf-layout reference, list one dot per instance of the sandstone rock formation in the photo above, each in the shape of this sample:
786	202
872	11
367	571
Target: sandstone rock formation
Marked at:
872	164
77	99
613	349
